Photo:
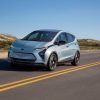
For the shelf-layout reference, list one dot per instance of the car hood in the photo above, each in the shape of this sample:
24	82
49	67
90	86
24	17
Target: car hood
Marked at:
27	46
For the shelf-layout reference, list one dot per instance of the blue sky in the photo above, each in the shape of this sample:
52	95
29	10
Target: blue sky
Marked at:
80	17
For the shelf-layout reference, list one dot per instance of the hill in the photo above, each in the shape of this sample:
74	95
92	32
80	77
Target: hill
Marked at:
6	40
89	44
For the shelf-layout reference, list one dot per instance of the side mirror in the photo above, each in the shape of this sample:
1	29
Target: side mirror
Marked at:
56	43
62	42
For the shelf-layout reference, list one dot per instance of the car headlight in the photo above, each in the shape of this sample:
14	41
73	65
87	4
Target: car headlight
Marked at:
41	48
11	46
42	52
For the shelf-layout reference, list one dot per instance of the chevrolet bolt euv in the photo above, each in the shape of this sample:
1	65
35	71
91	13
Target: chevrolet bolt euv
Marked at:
45	47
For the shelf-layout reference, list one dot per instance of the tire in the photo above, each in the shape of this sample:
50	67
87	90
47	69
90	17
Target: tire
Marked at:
52	62
76	59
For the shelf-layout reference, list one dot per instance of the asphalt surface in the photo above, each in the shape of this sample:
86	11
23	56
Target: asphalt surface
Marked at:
65	83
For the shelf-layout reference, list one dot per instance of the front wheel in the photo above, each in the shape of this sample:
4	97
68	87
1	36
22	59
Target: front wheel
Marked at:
52	63
75	62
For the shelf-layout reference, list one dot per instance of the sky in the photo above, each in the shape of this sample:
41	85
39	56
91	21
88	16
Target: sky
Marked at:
79	17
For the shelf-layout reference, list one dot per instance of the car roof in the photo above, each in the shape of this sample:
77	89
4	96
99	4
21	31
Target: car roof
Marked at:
51	30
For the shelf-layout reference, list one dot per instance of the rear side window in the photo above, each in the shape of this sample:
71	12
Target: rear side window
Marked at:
70	37
62	37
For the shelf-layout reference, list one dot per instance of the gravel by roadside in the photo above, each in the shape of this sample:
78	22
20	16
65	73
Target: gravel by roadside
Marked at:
3	55
89	51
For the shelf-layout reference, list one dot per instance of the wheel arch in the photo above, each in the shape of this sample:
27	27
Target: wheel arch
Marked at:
53	52
78	52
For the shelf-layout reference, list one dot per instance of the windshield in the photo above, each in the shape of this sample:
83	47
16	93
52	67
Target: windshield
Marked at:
44	36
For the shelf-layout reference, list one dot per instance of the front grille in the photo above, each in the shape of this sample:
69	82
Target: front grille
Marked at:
17	60
22	56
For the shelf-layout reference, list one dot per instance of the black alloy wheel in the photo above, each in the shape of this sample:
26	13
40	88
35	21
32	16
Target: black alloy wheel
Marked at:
52	63
75	62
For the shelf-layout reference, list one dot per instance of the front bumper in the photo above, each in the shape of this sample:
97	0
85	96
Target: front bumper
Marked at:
24	62
25	58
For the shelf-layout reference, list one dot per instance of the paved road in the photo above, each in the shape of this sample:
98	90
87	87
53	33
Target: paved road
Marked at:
65	83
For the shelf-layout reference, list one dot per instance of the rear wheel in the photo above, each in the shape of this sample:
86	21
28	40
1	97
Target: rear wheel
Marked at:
75	62
52	63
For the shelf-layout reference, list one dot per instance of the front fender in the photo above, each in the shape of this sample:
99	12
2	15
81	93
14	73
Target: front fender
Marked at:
48	52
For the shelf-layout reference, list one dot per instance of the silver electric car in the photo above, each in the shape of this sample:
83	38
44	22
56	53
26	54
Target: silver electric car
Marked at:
45	47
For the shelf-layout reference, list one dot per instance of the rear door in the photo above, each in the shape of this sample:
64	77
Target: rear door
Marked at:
71	44
62	50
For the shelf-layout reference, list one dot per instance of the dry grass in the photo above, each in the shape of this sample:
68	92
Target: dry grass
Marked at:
6	41
89	44
85	44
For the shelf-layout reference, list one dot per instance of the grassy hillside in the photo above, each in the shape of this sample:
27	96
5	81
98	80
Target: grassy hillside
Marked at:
7	37
6	40
89	44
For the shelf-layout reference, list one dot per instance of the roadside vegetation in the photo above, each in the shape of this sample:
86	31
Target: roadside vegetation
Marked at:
85	44
6	41
89	44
